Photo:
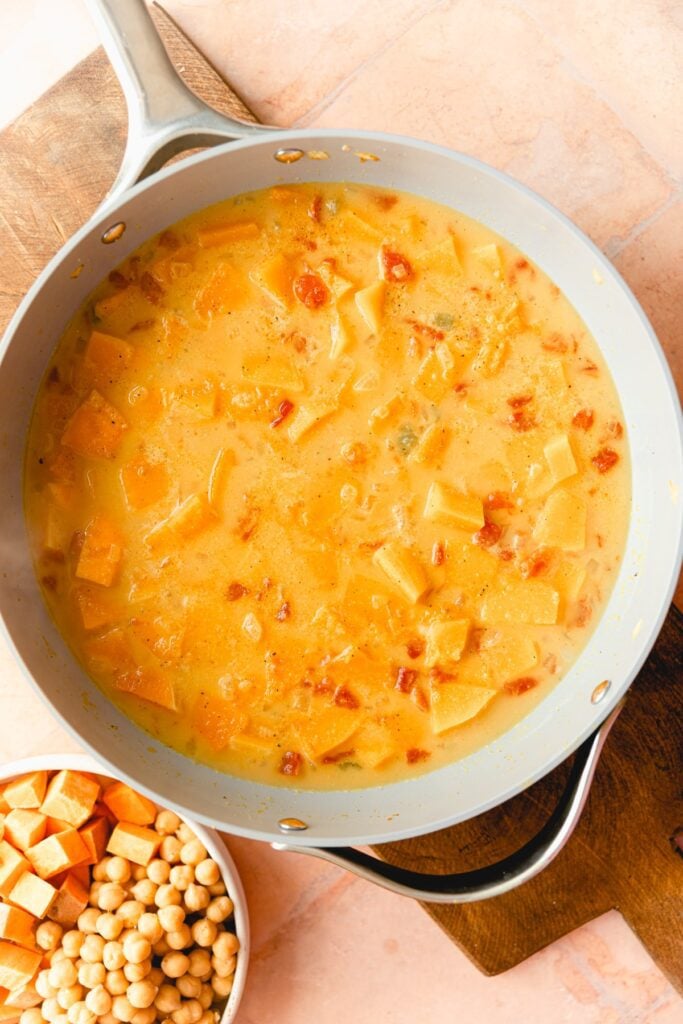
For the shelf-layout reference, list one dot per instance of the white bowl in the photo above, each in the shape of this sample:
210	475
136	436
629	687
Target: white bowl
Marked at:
209	837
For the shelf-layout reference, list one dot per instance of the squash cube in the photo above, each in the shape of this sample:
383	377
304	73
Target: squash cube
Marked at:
24	997
96	429
26	791
107	354
403	568
188	520
101	554
529	601
446	642
370	303
336	284
352	224
326	729
562	522
308	416
472	567
224	234
17	926
560	458
341	335
95	835
94	612
444	504
71	900
127	805
32	894
430	443
12	865
134	843
24	827
148	684
489	255
452	703
276	278
430	380
442	258
273	372
224	291
144	483
17	965
9	1014
57	853
373	744
71	797
510	657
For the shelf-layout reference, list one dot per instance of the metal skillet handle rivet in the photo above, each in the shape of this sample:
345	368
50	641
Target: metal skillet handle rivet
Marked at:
292	825
288	156
113	233
600	691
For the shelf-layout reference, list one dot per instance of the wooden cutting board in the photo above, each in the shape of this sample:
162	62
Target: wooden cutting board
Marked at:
56	163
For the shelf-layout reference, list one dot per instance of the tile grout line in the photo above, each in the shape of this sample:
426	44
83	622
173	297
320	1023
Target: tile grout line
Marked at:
614	246
326	101
584	79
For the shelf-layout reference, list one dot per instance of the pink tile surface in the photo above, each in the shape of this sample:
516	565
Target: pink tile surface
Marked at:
582	101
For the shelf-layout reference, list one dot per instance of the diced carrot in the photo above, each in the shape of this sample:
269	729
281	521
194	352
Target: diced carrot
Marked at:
17	926
17	965
127	805
148	684
24	827
101	552
134	842
95	835
12	865
96	429
57	853
70	796
72	899
26	791
32	894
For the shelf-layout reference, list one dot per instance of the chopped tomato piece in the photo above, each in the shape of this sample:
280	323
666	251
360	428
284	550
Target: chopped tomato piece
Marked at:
394	266
405	679
438	553
517	686
583	419
343	698
342	755
283	612
555	343
283	411
498	499
150	288
235	591
521	420
519	400
414	648
415	754
488	535
605	459
291	763
315	209
425	330
310	289
535	564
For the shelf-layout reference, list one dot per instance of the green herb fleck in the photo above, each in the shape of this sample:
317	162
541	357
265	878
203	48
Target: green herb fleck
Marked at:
407	438
444	320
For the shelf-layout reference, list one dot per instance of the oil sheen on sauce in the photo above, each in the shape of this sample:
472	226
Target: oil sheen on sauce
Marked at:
327	486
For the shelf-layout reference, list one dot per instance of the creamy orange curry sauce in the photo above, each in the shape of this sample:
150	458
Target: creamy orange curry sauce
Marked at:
324	480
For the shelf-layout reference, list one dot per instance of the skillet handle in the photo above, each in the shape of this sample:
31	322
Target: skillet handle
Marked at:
164	116
495	879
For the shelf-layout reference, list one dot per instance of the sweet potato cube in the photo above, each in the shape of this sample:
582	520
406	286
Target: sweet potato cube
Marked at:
372	745
17	926
370	303
273	372
71	796
134	842
431	443
529	601
148	684
95	612
24	997
403	568
55	825
308	416
224	234
442	258
341	337
452	704
276	277
24	827
127	805
186	521
32	894
17	965
446	642
107	354
510	657
57	853
26	791
9	1014
95	835
4	806
560	458
325	730
464	511
336	284
562	522
144	483
12	865
356	226
96	429
223	292
101	553
71	900
489	255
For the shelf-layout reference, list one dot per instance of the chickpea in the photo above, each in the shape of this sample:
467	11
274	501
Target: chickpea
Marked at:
113	956
118	869
111	896
55	956
185	833
50	1008
167	999
224	968
141	994
147	1016
94	893
62	974
166	823
189	1012
217	889
167	896
193	852
208	1017
200	963
109	926
207	872
136	972
43	986
107	1018
91	975
31	1016
170	849
130	912
138	872
175	964
219	909
136	948
171	918
158	871
72	942
48	934
181	876
66	997
189	987
222	986
116	983
80	1014
204	932
206	996
92	949
144	891
99	870
61	1018
161	948
122	1009
87	921
150	926
180	939
196	898
226	945
156	976
99	1001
